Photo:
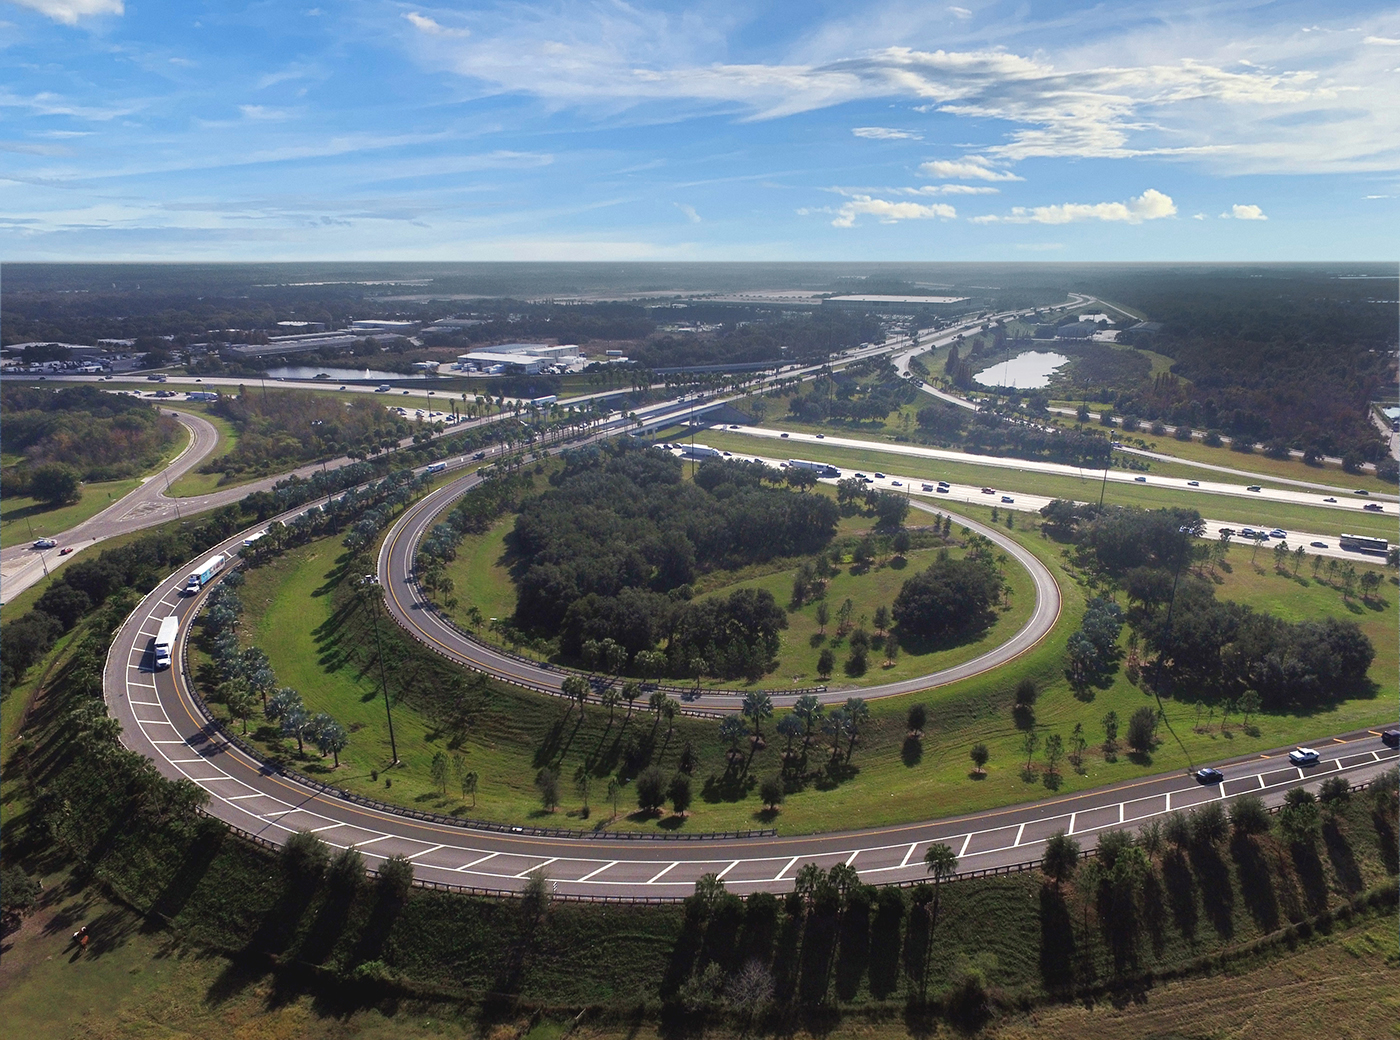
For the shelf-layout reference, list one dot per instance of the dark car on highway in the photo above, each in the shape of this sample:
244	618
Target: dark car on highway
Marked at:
1209	775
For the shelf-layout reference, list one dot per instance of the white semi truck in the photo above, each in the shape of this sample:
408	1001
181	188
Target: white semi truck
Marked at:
204	573
821	469
165	640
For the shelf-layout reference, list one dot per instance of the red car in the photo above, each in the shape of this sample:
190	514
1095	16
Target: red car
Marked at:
65	550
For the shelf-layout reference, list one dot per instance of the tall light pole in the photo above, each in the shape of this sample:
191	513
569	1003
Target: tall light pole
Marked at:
365	582
1166	640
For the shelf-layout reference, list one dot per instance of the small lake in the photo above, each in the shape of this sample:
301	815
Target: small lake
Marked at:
339	375
1027	371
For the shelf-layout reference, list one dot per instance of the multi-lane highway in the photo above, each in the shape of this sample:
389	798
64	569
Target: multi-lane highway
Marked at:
162	719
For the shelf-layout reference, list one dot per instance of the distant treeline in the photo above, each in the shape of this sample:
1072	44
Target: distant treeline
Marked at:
1293	354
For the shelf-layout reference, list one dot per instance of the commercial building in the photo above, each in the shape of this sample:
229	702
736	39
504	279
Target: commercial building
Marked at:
527	358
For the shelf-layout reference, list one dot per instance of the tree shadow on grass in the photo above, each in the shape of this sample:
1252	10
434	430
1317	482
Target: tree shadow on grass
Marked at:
1255	882
1217	891
912	753
1343	860
1181	894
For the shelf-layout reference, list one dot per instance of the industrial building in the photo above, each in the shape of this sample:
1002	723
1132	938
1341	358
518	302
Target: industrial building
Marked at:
526	358
402	328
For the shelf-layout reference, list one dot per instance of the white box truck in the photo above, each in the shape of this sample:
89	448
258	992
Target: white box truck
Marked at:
165	641
204	573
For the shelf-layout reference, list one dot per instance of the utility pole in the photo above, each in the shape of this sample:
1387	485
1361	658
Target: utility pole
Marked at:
367	580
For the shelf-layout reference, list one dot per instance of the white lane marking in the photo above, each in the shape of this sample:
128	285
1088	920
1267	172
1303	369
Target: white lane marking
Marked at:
433	848
1262	784
154	722
1120	812
657	877
169	742
537	866
727	869
483	859
369	841
903	863
1074	814
279	812
786	867
1169	800
182	761
328	827
852	857
240	797
966	842
604	867
143	685
1019	831
149	704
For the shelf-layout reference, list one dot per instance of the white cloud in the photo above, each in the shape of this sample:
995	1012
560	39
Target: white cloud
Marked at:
1198	216
69	11
883	133
1153	88
263	114
689	212
423	23
1382	41
1239	212
961	12
890	212
972	168
1150	205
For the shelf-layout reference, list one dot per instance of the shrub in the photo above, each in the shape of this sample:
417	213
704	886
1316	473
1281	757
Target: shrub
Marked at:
917	717
1026	691
679	793
1142	729
1249	816
771	791
651	789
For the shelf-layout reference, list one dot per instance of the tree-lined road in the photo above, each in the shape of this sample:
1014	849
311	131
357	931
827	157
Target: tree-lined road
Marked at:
161	718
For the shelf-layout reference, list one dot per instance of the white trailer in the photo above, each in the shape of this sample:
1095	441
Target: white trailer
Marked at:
165	640
821	469
204	573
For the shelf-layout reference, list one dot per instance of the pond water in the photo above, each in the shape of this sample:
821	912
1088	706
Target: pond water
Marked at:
338	375
1027	371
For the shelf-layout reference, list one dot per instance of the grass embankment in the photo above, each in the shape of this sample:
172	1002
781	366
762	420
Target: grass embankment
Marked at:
482	576
297	610
1015	939
200	895
1339	985
196	483
25	518
1314	520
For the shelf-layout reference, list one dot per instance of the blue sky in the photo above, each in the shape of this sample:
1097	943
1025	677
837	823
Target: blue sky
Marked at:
599	130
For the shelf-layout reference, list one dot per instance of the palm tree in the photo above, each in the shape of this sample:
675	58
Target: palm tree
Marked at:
757	706
809	710
942	863
857	714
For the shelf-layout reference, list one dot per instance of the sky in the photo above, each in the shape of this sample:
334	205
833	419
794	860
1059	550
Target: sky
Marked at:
745	130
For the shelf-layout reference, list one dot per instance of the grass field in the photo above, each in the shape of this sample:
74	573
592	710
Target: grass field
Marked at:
1314	520
196	483
22	519
481	573
141	983
1195	451
288	600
